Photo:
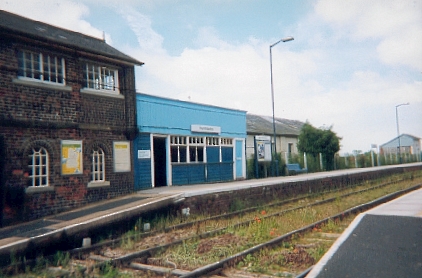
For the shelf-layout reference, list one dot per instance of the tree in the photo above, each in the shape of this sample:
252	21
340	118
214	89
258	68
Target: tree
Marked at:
314	141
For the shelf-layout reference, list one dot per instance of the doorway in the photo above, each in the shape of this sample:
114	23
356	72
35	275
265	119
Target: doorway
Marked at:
160	161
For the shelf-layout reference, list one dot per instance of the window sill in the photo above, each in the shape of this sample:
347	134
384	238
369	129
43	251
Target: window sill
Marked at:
39	189
101	93
94	184
42	85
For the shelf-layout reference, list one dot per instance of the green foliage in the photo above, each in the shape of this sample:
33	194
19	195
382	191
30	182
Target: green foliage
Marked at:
61	259
237	205
109	271
314	141
317	252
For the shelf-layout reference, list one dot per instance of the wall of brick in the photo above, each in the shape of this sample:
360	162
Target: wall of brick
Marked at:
35	114
223	202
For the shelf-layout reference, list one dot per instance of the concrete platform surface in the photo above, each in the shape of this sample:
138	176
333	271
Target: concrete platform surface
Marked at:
18	237
383	242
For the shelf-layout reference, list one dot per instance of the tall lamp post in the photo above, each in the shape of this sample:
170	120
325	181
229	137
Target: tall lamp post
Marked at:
275	166
398	132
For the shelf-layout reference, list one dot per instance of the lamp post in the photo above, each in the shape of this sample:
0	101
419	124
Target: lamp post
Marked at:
398	132
272	100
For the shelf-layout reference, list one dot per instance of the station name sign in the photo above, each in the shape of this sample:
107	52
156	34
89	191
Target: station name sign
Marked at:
205	129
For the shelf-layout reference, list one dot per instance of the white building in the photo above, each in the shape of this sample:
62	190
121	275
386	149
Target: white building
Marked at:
287	133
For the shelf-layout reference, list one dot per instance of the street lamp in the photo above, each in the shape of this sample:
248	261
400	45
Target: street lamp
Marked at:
272	99
398	132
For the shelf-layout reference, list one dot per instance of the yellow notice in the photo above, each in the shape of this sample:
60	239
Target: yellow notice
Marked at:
71	157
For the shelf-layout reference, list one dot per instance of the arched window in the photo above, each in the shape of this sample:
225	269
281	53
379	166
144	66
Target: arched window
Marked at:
98	165
38	167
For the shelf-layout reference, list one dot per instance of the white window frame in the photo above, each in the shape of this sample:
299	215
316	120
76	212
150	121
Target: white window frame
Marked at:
98	166
101	78
39	68
179	143
39	168
198	145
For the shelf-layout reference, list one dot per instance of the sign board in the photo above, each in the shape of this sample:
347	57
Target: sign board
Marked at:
205	129
72	157
263	148
142	154
263	138
121	151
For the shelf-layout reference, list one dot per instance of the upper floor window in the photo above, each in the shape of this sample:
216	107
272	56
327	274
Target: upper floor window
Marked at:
38	167
42	67
101	78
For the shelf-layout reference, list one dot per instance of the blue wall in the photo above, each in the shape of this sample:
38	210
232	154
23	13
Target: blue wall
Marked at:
142	167
169	116
163	116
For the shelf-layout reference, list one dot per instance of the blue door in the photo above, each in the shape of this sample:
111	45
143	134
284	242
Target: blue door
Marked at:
239	160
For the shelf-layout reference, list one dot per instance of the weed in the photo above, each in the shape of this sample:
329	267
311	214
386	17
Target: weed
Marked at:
317	252
61	259
236	205
109	271
330	226
40	264
128	243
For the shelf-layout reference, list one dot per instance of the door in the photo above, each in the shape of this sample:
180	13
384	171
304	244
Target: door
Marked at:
239	159
160	161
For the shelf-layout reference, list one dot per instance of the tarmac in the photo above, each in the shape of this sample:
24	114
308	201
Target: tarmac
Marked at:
50	229
385	241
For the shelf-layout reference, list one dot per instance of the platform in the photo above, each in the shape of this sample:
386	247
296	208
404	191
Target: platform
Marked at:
18	237
385	241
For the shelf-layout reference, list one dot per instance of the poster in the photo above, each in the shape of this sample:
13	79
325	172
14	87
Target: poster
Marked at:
121	150
72	157
263	148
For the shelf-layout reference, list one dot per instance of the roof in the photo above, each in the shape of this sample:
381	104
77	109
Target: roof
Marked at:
184	102
256	124
19	25
414	138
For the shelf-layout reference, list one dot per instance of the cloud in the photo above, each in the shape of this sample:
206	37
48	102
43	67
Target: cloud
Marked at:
64	14
208	37
396	25
148	40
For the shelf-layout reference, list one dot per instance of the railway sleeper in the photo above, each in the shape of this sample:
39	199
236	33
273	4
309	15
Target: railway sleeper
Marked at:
158	269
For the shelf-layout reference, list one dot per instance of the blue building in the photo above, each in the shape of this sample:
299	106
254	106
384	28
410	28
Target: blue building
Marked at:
183	143
410	146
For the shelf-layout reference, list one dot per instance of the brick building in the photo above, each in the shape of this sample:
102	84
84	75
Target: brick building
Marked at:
67	118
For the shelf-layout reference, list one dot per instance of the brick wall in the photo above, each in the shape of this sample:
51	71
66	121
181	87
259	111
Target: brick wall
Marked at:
223	202
35	114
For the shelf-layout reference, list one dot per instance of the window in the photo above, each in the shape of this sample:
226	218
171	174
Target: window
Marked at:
178	149
290	148
213	141
98	165
196	149
101	78
38	167
41	67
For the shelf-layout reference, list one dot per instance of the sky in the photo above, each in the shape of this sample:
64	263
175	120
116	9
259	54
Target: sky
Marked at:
350	63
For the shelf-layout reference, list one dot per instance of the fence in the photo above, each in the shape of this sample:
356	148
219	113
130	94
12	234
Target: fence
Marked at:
317	163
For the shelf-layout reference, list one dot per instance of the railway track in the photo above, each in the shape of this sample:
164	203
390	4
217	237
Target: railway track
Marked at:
187	249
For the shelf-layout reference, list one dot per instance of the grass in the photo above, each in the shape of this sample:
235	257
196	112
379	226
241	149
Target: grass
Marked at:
263	229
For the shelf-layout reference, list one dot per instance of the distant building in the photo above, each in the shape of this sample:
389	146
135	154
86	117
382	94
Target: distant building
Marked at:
408	145
287	133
